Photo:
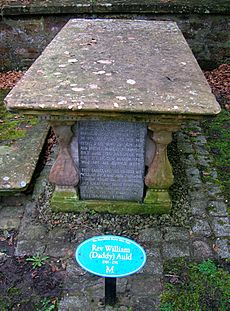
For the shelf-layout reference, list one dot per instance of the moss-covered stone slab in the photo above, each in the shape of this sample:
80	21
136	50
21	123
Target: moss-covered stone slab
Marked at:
115	67
18	160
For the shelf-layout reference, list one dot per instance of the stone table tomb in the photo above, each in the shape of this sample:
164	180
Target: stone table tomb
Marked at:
114	91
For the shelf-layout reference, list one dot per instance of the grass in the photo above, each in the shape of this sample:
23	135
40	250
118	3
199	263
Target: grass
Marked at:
218	137
12	126
196	287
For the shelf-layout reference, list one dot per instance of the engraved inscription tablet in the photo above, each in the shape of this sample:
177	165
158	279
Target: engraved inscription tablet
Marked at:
111	156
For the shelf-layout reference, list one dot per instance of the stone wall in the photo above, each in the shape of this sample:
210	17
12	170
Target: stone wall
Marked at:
25	30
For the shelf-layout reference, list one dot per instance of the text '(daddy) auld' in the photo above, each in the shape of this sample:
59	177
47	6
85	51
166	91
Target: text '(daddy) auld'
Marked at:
110	252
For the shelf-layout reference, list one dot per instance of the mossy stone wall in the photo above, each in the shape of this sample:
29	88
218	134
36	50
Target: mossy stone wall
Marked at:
27	29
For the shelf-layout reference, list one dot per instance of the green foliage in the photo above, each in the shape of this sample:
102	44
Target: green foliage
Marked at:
167	306
200	287
47	304
37	260
6	301
13	291
207	267
3	304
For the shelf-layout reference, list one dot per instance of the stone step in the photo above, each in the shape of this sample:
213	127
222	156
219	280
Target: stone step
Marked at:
18	160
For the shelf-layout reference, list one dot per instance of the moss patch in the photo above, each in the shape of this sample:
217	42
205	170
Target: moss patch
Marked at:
68	201
12	126
195	287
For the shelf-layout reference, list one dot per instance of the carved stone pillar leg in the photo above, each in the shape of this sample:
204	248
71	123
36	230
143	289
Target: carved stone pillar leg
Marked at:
159	176
64	173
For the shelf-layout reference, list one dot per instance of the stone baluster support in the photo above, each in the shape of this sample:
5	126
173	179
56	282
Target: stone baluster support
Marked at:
64	171
159	176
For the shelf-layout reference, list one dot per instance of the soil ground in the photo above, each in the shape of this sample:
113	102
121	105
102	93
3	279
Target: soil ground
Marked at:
22	287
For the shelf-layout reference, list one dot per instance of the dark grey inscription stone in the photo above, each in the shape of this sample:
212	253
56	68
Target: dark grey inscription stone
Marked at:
111	160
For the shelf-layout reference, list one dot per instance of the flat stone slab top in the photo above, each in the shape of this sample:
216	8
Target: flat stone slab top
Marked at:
115	67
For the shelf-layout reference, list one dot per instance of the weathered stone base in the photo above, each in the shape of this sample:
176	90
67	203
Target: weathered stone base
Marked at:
154	196
67	200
